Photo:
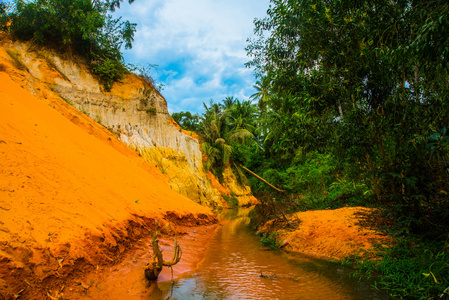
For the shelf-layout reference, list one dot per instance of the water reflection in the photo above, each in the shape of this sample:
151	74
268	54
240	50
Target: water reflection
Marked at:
234	264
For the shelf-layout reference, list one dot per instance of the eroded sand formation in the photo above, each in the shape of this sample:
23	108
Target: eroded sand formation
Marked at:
72	196
75	200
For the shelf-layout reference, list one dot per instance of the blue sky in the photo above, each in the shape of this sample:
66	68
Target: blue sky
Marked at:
198	45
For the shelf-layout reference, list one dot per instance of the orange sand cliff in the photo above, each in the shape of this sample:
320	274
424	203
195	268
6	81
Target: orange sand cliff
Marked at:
69	201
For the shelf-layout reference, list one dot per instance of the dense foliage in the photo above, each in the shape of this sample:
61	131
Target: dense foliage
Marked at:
411	268
84	27
187	120
352	109
363	87
224	129
357	79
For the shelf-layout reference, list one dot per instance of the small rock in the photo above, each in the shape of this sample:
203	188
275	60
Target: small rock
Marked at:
85	286
4	229
5	206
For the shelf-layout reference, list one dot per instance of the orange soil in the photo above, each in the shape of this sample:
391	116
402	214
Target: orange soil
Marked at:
219	187
186	132
70	202
330	234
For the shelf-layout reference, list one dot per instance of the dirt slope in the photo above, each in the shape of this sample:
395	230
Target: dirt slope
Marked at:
69	201
329	234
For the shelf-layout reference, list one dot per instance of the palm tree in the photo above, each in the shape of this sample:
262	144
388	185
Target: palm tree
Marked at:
229	102
262	92
217	136
243	115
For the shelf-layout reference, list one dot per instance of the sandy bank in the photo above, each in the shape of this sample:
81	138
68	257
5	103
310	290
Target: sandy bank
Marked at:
329	234
70	202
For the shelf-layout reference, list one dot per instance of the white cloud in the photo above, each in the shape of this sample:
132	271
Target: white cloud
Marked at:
198	45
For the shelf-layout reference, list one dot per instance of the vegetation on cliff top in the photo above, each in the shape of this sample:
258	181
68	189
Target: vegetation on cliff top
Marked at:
84	27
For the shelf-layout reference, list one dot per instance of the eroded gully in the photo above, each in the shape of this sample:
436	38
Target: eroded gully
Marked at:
231	269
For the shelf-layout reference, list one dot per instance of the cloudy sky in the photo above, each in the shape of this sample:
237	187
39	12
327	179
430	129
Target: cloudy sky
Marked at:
198	45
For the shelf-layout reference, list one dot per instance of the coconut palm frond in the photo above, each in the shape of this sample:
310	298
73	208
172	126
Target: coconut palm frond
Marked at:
241	178
220	142
239	134
212	154
269	136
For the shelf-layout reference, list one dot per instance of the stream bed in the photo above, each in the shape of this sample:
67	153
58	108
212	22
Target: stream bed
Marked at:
234	262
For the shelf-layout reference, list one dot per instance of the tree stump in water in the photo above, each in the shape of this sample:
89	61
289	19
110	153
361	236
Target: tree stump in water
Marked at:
154	267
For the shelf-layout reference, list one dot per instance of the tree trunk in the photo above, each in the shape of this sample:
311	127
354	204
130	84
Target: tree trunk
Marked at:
154	267
261	179
375	181
340	109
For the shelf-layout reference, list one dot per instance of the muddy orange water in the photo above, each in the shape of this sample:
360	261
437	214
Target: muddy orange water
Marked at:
126	280
231	269
235	260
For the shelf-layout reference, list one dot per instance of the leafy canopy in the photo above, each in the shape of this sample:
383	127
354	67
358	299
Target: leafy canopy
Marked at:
84	27
354	107
367	82
187	120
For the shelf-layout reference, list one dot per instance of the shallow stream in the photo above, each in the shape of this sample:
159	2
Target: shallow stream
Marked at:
234	262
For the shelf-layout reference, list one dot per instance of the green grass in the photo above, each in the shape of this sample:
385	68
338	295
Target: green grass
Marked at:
270	240
66	100
409	269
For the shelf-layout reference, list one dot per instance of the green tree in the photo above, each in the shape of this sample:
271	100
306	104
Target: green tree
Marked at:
261	95
228	102
367	82
218	137
243	115
187	120
5	11
358	108
83	27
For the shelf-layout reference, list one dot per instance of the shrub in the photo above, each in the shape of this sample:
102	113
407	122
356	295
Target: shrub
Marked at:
109	71
411	269
270	240
77	26
151	110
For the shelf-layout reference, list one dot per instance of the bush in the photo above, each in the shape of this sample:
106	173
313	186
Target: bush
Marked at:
109	71
270	240
313	181
77	26
4	16
412	269
151	111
